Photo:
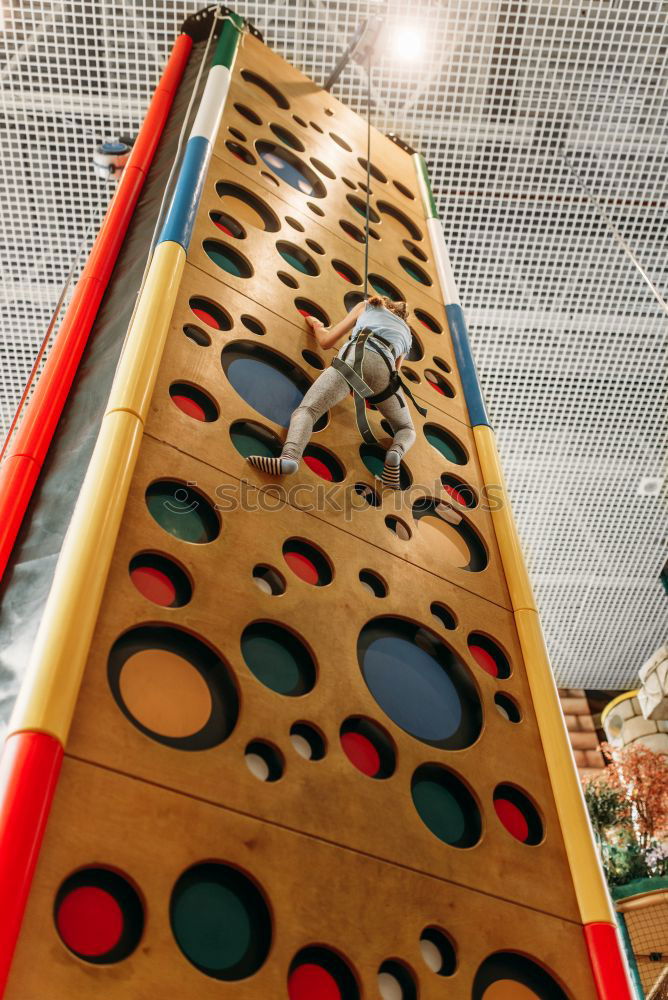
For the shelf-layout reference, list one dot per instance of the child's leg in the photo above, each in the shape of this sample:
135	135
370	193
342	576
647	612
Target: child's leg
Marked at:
404	436
328	389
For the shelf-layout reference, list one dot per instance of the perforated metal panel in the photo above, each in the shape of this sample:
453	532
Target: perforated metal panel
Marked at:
527	113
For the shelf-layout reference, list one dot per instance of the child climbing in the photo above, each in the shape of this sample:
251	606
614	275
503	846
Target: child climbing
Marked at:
368	362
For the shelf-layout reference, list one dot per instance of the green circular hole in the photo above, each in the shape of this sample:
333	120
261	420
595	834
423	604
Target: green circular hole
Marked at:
278	658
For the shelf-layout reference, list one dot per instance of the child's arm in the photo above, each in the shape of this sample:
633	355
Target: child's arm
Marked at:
399	361
327	336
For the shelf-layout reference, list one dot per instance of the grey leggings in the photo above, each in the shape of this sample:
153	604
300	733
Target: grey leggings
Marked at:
330	388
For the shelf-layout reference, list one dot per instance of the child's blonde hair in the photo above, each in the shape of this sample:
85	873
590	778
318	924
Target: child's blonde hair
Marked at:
400	309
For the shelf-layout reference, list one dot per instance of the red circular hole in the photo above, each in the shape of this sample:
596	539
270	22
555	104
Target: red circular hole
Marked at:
344	276
455	494
154	585
485	660
90	921
361	752
312	982
512	818
190	407
302	567
320	469
207	318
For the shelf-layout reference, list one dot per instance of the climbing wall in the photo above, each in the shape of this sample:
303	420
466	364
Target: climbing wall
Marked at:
304	760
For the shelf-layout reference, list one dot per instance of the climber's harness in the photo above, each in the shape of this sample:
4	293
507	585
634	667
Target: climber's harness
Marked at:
361	391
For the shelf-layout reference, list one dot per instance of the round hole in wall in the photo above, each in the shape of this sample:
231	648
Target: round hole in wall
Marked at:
295	225
352	299
160	580
439	384
308	741
253	325
489	655
321	461
315	247
459	491
278	658
438	951
416	352
193	401
287	279
445	616
270	177
245	205
368	747
315	208
414	271
297	258
237	133
318	972
427	320
251	438
268	580
410	375
443	365
210	313
446	806
518	814
269	89
360	207
182	511
248	113
398	220
347	272
99	916
264	761
227	258
420	683
407	193
300	121
446	444
341	142
220	921
287	165
265	380
507	707
287	137
395	982
307	562
313	359
173	687
308	308
368	497
383	286
316	127
373	170
416	251
349	183
199	337
240	152
398	527
373	583
450	534
373	457
323	168
508	975
228	225
354	232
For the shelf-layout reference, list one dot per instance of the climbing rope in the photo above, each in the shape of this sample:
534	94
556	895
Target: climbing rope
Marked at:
368	175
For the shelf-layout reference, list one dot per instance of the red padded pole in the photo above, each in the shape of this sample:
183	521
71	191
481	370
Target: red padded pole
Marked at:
608	966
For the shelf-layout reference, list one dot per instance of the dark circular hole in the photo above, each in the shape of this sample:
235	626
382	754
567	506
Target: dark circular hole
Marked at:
373	457
270	90
438	951
250	438
182	511
443	365
439	384
360	207
240	152
198	336
446	444
316	127
346	272
240	203
220	921
295	225
351	299
193	401
315	208
313	360
367	494
373	583
210	313
446	806
300	121
173	687
349	183
398	527
228	225
267	381
315	247
428	321
450	533
99	916
287	137
323	168
248	113
253	325
444	615
373	170
420	254
323	463
399	220
420	683
308	308
318	972
264	761
278	659
414	271
507	707
307	562
341	142
353	231
268	580
518	814
516	975
373	234
160	580
270	177
458	490
237	133
410	375
396	981
229	259
297	258
385	287
286	165
308	741
287	279
404	190
368	747
489	655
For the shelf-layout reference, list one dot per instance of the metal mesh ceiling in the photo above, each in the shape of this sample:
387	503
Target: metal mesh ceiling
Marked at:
528	113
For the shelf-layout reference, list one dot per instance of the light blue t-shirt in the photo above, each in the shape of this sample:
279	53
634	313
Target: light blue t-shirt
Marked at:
386	323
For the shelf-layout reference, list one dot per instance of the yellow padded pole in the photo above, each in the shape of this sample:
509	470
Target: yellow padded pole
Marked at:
50	689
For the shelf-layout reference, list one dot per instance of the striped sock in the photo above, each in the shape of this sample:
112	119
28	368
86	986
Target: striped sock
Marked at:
391	471
273	466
